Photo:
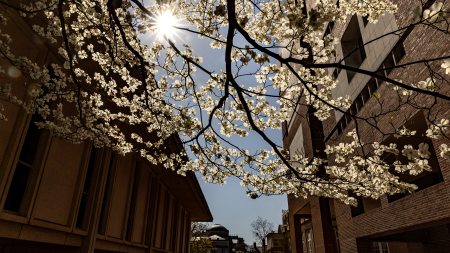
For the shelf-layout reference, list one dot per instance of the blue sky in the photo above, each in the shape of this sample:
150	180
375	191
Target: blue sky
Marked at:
229	203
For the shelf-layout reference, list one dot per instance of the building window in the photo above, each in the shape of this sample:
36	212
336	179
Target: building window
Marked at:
329	28
372	86
153	190
353	47
174	227
167	211
365	20
107	196
426	178
336	73
359	209
309	241
392	59
159	239
181	232
364	205
380	247
398	52
132	208
25	172
87	189
388	64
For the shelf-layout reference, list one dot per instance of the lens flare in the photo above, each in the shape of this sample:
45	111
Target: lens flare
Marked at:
165	24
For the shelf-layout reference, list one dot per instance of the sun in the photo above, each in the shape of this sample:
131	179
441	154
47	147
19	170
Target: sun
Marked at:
165	24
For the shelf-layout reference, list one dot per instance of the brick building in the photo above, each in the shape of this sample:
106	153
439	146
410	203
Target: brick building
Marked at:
57	196
417	223
279	242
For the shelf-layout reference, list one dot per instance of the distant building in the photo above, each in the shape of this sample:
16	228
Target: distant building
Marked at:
285	229
279	242
237	244
222	242
276	243
254	248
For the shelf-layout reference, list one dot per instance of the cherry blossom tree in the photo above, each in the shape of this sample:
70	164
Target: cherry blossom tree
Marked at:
199	243
108	87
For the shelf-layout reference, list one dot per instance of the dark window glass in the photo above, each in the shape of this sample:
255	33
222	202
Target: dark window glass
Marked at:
22	177
372	86
365	20
365	94
81	217
348	119
426	178
31	142
353	109
132	210
106	196
17	189
358	103
353	47
361	51
339	129
166	218
359	209
380	247
153	199
336	73
329	28
388	64
398	52
173	240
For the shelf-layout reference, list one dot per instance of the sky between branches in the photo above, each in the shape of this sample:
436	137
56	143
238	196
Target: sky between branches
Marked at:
229	204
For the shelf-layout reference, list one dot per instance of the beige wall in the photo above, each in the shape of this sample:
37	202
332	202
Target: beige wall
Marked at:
55	198
145	206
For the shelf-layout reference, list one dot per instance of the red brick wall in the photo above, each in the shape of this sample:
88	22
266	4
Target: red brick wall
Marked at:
426	207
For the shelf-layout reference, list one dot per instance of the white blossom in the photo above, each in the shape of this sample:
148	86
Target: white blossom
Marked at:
114	86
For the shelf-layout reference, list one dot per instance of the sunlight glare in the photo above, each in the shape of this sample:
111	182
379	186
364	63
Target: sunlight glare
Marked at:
165	24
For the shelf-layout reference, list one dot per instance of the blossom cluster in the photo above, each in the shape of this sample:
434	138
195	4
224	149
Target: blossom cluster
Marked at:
105	85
